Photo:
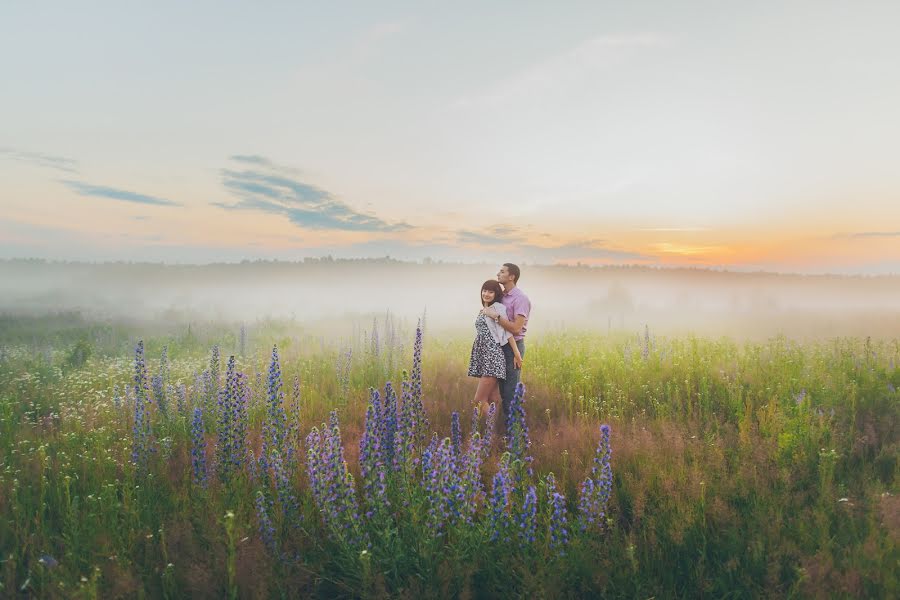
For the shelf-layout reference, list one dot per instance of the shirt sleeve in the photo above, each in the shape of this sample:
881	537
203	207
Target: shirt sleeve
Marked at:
522	306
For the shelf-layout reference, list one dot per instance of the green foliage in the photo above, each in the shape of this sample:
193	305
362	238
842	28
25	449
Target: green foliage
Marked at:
740	470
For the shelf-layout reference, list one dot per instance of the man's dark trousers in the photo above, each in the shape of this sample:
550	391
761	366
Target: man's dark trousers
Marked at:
513	375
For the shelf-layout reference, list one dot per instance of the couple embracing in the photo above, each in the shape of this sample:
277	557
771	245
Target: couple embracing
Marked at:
499	347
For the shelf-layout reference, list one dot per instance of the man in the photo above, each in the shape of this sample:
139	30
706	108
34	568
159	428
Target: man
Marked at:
515	321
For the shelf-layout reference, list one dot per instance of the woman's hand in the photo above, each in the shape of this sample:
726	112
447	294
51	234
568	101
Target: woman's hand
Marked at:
518	362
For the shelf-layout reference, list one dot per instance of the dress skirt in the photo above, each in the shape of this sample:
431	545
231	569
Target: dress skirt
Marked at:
487	358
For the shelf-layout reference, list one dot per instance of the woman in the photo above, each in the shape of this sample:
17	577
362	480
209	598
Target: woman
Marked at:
487	361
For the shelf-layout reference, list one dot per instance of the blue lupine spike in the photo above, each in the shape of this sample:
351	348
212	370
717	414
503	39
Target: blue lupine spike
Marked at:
455	433
198	448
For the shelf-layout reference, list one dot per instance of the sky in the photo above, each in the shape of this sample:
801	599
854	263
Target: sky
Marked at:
717	134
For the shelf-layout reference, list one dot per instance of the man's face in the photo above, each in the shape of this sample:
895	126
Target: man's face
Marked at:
503	276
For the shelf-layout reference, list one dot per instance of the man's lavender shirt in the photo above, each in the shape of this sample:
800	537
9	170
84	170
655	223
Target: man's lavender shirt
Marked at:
517	303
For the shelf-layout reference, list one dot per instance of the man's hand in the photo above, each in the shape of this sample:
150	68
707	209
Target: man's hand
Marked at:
518	362
490	313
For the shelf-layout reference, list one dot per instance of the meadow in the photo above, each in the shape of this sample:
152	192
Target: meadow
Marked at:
139	459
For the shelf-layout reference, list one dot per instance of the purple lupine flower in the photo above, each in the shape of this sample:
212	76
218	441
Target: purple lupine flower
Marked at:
231	448
286	498
420	419
470	477
597	489
526	520
445	492
645	348
198	448
241	450
587	505
242	344
274	429
489	425
455	433
891	387
181	398
158	386
295	396
430	476
558	520
388	424
499	518
332	485
141	430
212	380
516	426
266	529
371	465
117	398
799	398
409	437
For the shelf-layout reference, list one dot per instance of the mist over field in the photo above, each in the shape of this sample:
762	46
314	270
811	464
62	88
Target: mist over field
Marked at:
335	292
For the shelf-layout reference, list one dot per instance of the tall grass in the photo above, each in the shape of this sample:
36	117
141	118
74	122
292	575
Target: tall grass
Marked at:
739	470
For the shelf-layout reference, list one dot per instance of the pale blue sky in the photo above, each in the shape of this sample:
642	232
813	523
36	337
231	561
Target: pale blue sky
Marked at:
723	133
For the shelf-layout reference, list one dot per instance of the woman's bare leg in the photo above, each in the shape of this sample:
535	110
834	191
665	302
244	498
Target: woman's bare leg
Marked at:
484	393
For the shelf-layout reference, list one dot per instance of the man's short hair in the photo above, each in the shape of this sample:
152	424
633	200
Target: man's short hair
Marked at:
513	270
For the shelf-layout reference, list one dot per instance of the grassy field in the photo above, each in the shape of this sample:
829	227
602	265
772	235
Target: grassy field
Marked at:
737	469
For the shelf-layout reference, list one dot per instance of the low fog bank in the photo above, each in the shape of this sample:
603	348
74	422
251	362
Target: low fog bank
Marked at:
668	301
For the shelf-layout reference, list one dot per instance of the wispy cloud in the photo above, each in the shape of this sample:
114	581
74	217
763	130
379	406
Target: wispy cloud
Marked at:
499	235
99	191
268	189
868	234
672	229
49	161
587	250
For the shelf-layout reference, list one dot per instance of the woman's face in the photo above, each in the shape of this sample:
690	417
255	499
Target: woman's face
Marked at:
487	296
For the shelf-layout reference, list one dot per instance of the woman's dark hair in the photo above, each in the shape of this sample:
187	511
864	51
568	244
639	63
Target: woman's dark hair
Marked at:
494	286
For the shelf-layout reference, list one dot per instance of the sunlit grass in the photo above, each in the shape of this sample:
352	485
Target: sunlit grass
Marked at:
739	469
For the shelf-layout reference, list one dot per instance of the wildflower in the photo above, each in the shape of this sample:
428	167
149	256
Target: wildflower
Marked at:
286	498
181	398
596	489
141	429
489	425
557	518
274	427
499	520
516	426
526	520
455	433
159	394
442	485
419	418
198	448
332	485
371	463
231	449
266	529
470	477
388	424
211	378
